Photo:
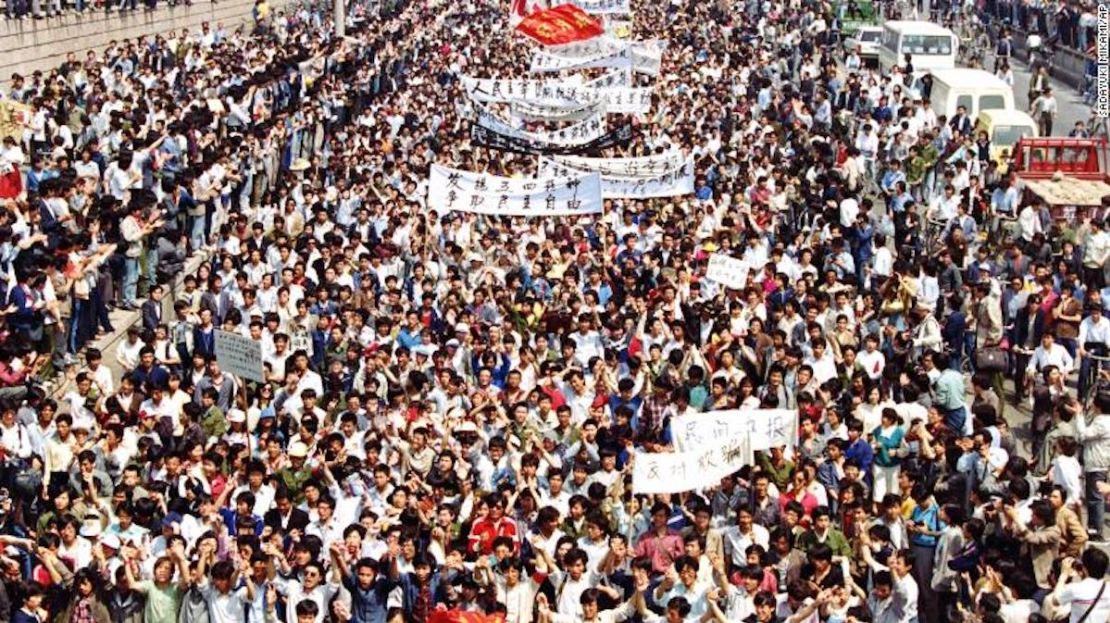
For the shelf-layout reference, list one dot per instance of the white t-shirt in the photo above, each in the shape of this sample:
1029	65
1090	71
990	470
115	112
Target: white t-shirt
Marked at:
1080	596
227	608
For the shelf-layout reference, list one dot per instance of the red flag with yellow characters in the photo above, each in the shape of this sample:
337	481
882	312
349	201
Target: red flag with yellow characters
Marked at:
565	23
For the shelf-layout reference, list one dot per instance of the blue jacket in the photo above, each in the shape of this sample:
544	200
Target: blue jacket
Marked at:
410	590
862	454
369	606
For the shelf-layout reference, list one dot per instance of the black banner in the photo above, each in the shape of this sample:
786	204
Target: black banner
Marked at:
481	136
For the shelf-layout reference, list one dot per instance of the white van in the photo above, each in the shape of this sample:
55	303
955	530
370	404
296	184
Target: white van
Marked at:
930	46
974	89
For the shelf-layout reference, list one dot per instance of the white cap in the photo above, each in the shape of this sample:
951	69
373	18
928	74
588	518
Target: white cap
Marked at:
236	415
466	427
110	540
298	449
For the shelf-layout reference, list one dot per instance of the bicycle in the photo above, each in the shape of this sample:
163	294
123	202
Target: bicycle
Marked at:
1098	377
1005	230
934	233
965	360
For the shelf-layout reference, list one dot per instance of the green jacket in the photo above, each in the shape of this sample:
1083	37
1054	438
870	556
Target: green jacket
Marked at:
214	423
834	539
294	481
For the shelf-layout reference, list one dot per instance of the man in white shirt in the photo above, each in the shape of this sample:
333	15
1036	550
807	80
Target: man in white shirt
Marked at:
1029	220
738	538
1094	332
1049	353
944	207
1096	248
587	342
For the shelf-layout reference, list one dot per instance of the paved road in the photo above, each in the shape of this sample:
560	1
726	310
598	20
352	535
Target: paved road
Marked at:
1068	99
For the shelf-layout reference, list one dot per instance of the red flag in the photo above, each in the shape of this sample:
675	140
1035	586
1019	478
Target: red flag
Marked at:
519	9
565	23
458	616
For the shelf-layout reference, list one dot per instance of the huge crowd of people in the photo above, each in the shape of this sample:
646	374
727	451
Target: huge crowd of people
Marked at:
453	402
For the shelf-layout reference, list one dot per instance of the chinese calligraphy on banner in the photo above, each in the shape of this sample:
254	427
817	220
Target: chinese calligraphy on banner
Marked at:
464	191
554	110
644	57
546	62
617	99
581	133
641	166
766	428
485	137
605	7
674	472
727	271
668	183
239	355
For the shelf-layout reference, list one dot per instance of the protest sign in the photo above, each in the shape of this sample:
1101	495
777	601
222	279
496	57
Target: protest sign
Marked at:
641	166
485	137
674	472
621	77
584	131
546	62
634	101
765	427
553	111
14	117
239	355
646	56
727	271
488	90
605	7
617	99
465	191
673	183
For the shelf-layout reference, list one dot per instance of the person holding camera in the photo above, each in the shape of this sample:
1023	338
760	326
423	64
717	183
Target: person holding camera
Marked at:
1082	586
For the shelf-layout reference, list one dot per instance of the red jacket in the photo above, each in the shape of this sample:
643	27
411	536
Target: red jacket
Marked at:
485	531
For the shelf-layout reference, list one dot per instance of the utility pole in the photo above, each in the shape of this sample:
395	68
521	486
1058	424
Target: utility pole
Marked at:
340	18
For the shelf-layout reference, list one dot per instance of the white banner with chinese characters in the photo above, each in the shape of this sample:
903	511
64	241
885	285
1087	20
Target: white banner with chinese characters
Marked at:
673	183
625	100
675	472
239	355
727	271
767	428
580	133
617	99
544	61
646	56
621	77
505	90
604	7
640	166
465	191
553	111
